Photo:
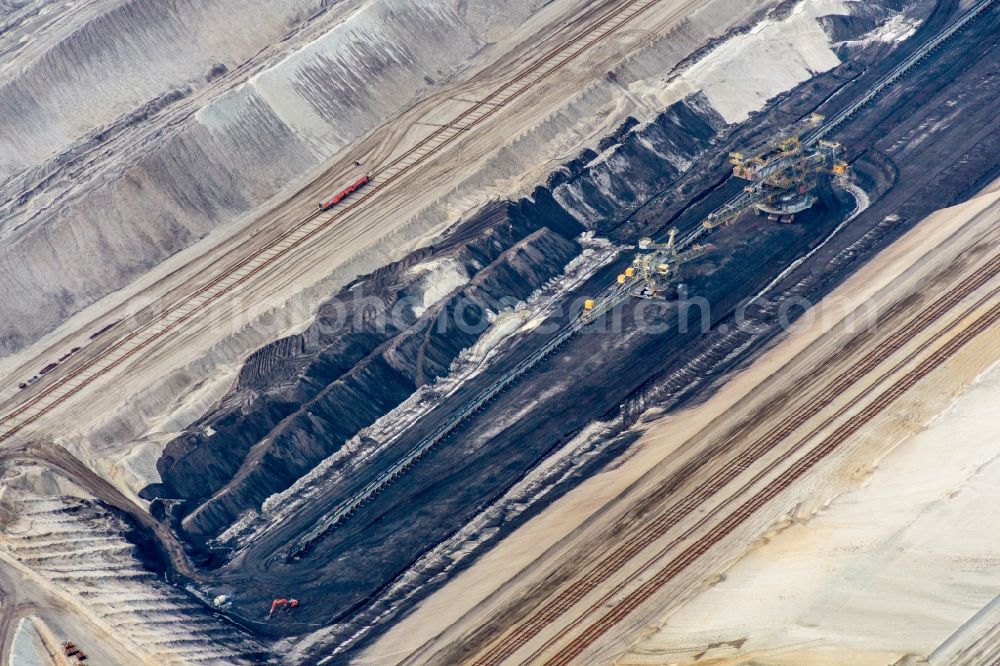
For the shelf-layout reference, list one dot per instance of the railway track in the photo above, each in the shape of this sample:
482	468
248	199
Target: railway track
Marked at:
65	386
798	469
671	517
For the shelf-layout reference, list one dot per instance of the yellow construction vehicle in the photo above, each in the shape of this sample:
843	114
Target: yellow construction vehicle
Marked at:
658	264
654	269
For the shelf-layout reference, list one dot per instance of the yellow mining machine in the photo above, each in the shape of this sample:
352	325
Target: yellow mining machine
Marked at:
783	172
654	269
658	264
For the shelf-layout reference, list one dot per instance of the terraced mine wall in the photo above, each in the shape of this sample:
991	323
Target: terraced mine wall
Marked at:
604	188
78	545
297	400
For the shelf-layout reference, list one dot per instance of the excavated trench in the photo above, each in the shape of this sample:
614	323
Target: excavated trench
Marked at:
303	399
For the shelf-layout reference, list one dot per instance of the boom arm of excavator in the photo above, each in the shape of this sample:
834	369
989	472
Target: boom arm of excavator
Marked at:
734	208
776	142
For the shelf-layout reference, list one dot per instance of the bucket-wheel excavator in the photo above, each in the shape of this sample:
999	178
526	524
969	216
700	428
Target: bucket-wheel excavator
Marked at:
782	172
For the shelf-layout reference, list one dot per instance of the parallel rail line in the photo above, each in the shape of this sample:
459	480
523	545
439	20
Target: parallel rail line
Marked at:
798	469
67	385
657	528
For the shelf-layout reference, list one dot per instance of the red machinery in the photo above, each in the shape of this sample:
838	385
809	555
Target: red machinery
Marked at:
71	650
282	603
353	187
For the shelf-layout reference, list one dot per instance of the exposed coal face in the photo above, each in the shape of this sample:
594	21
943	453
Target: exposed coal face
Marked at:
865	17
636	166
300	399
297	400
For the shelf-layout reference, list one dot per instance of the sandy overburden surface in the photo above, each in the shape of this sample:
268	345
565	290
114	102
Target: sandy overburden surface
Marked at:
880	556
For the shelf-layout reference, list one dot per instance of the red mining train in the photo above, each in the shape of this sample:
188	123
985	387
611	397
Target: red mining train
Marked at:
353	187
